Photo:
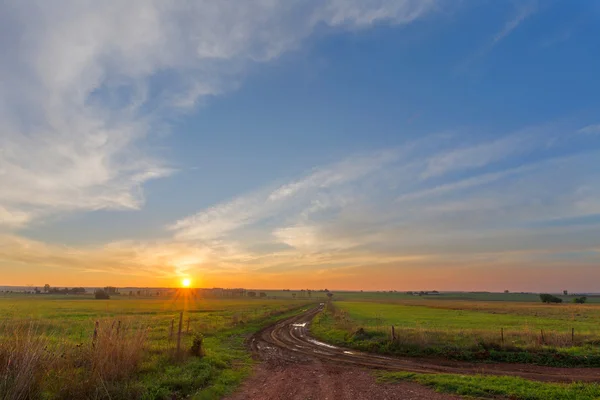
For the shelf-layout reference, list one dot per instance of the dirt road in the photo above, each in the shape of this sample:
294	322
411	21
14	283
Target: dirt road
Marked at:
315	380
289	340
296	366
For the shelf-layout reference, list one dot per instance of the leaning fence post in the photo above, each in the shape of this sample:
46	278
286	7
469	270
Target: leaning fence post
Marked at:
95	336
172	326
543	340
179	333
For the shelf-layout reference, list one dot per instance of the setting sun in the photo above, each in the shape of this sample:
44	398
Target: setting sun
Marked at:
186	282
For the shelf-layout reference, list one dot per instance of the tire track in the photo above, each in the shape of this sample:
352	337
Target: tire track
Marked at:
289	340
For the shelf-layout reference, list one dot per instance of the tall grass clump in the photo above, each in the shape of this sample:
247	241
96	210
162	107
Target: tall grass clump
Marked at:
102	367
24	359
34	364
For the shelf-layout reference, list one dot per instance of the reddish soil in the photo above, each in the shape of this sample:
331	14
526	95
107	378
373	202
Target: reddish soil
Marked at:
324	381
296	366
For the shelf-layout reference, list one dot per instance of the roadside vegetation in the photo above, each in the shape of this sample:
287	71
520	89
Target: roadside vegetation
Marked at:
82	348
553	335
494	387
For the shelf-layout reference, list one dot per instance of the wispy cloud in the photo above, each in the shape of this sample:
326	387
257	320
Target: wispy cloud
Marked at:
370	212
377	208
590	129
524	10
85	83
221	219
479	155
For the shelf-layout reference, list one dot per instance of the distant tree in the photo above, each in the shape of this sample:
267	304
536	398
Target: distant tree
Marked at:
548	298
262	294
294	295
506	291
111	290
46	288
100	294
130	293
309	293
566	292
409	293
329	295
251	294
580	300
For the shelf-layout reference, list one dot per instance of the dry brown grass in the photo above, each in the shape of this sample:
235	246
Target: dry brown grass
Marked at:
24	357
32	363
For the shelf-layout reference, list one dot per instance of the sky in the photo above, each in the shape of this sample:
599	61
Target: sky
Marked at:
341	144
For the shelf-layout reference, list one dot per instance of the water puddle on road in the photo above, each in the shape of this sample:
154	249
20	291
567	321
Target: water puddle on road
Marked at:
321	344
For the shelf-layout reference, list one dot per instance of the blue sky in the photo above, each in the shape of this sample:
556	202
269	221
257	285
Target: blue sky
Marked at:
356	144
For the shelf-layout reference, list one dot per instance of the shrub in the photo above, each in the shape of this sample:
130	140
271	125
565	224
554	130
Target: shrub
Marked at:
580	300
548	298
101	295
196	348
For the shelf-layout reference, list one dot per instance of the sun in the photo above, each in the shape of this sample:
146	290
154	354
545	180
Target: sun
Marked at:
186	282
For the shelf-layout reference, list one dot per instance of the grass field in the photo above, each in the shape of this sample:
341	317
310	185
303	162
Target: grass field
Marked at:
48	348
467	330
467	296
495	387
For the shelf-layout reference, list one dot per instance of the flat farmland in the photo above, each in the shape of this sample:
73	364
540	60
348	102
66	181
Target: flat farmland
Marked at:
57	347
559	335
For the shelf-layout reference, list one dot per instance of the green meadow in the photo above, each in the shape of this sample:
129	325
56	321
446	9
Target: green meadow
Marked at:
126	348
557	334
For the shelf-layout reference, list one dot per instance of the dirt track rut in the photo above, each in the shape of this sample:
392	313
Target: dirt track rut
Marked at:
289	341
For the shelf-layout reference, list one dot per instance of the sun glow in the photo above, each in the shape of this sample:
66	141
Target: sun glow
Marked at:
186	282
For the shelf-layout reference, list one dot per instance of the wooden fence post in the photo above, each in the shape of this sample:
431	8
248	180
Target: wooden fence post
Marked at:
393	334
572	336
543	340
502	334
95	336
118	327
179	333
172	327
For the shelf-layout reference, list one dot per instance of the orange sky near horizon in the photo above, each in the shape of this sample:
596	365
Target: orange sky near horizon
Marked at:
375	277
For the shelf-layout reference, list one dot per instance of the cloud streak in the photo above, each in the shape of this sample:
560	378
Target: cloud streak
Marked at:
389	207
85	83
524	11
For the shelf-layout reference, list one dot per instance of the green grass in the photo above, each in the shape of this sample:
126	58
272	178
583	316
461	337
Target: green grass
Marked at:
467	330
432	316
68	321
493	387
449	296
